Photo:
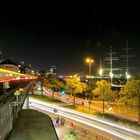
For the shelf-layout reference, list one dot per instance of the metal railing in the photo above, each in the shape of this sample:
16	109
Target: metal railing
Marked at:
9	110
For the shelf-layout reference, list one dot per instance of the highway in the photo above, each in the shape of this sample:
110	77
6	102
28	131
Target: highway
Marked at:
126	113
107	129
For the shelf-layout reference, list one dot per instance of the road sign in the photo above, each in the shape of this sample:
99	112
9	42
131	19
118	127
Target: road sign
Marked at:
17	92
20	89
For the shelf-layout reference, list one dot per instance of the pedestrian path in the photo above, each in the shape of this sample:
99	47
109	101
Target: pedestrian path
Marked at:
61	131
33	125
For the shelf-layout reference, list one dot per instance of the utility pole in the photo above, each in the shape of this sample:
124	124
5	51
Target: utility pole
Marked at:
89	61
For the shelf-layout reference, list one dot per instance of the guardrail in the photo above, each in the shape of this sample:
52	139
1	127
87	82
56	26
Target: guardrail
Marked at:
9	109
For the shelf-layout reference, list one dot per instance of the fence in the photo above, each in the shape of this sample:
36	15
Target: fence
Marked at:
9	109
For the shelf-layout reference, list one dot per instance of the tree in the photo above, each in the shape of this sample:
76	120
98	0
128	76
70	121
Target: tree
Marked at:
91	84
74	86
70	135
131	93
103	91
54	84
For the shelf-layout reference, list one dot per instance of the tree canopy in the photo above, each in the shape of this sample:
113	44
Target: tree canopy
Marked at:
103	90
130	92
73	85
54	83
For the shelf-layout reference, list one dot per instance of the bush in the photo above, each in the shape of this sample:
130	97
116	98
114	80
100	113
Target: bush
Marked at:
70	135
118	120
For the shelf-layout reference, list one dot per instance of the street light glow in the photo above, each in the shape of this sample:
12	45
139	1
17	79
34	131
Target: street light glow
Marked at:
111	74
128	76
89	61
101	72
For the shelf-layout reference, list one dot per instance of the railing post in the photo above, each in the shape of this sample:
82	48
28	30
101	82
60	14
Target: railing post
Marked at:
10	116
27	102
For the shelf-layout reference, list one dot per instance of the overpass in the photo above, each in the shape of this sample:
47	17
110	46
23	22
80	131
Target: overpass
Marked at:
11	113
10	108
7	75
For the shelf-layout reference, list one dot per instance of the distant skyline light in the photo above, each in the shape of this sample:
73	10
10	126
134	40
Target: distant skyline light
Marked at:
43	40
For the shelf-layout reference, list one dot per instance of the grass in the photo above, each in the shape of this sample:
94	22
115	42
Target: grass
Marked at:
111	118
79	108
70	107
118	120
84	109
46	99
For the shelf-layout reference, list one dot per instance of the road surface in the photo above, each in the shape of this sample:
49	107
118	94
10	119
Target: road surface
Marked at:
107	129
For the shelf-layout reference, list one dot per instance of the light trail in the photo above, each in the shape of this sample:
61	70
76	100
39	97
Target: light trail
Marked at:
15	79
15	76
101	126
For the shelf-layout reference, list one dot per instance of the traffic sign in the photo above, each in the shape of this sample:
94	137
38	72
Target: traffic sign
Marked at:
20	89
17	92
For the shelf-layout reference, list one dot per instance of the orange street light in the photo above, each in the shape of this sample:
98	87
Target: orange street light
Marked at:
89	61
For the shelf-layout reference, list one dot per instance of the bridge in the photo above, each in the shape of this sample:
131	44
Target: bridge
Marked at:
10	108
7	75
12	116
14	90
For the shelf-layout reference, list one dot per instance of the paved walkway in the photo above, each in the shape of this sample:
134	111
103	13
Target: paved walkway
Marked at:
61	131
33	125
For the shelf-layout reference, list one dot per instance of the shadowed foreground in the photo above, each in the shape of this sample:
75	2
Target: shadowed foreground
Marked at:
33	125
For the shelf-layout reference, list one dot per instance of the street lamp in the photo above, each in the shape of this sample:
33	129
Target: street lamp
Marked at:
111	76
128	76
100	72
89	61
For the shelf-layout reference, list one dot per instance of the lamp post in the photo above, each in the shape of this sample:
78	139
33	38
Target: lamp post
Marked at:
89	61
111	76
128	76
100	70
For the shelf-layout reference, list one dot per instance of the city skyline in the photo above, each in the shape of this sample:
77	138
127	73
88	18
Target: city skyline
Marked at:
65	41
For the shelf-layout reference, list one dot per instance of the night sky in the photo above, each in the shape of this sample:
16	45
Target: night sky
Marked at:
43	37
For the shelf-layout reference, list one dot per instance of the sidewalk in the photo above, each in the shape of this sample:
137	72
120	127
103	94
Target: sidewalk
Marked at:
33	125
61	131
